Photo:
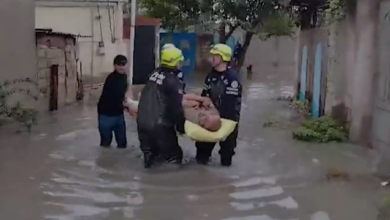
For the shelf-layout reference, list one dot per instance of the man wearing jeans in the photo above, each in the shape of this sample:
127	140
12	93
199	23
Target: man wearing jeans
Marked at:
110	106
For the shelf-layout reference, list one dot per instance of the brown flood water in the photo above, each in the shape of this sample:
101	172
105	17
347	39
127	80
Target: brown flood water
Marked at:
59	172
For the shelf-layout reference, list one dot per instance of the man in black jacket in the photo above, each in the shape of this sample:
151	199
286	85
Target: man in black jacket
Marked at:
110	106
160	111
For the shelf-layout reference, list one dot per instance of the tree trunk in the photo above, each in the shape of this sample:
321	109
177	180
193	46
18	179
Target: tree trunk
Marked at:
222	33
244	49
223	36
365	71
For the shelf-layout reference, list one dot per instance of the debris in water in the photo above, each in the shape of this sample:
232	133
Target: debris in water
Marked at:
337	173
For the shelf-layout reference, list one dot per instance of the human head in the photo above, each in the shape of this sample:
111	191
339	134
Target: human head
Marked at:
120	63
209	121
171	57
221	54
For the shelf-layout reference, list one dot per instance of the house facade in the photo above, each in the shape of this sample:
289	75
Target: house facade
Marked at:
97	26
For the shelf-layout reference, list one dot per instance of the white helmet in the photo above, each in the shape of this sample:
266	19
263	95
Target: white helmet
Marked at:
166	46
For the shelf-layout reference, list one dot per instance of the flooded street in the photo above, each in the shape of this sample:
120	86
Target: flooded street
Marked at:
59	172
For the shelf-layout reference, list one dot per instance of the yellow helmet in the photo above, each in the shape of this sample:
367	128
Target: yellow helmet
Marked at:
171	56
223	50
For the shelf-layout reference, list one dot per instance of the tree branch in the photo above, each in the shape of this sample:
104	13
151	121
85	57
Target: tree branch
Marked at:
231	31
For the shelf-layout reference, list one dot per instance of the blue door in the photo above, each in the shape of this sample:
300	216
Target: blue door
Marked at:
187	43
315	108
302	88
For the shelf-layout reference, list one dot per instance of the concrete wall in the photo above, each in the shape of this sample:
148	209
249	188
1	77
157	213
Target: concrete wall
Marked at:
17	40
336	93
275	54
94	24
338	100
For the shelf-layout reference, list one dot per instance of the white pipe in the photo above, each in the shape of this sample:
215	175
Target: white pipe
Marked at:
132	35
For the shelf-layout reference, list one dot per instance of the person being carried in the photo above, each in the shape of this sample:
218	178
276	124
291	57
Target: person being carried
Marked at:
160	111
201	111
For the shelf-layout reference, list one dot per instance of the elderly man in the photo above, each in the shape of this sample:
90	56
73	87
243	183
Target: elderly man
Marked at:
201	111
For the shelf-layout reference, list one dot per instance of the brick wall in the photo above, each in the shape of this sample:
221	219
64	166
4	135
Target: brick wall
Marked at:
67	72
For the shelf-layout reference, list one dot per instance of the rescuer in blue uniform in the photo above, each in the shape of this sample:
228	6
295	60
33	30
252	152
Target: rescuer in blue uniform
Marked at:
225	91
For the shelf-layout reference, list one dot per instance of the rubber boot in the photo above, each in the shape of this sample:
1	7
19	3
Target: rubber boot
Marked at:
148	161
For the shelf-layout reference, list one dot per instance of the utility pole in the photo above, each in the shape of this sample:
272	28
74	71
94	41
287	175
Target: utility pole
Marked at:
132	36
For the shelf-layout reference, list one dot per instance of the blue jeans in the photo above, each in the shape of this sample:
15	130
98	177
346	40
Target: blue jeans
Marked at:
109	125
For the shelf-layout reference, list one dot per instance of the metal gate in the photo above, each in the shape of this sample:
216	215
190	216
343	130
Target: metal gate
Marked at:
144	53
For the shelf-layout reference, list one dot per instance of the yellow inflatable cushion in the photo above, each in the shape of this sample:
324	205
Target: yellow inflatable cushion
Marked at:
197	133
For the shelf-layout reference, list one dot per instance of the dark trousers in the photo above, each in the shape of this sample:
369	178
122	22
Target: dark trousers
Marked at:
109	125
160	143
204	149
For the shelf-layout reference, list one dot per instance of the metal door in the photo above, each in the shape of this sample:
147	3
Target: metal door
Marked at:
53	102
144	49
315	107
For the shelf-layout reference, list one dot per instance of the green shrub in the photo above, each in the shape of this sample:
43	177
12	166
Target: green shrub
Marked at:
25	116
323	129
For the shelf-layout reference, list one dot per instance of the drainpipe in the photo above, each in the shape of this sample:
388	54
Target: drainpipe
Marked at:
92	43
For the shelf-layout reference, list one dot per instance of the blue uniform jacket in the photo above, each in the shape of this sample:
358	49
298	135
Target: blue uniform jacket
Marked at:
225	91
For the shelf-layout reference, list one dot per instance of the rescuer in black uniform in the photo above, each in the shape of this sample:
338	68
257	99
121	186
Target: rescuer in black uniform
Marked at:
177	71
225	91
160	111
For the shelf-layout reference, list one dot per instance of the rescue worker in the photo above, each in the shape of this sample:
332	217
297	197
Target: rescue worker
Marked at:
160	112
224	90
178	73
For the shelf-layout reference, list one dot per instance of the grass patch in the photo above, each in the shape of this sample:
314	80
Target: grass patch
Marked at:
322	130
301	106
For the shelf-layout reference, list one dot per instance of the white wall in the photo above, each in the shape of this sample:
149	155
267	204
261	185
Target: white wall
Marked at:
83	19
17	39
17	43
